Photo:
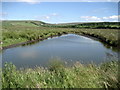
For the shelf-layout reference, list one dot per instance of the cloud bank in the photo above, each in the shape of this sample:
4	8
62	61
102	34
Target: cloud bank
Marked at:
113	18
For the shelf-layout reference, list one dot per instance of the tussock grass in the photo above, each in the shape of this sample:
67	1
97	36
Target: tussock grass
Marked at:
60	76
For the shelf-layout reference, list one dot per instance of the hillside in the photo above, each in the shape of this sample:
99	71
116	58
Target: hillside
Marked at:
94	25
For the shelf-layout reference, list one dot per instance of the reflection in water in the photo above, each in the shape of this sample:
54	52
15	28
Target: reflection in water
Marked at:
111	47
111	56
105	45
70	48
28	54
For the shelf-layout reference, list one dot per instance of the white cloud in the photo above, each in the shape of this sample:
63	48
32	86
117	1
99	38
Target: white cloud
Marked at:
30	1
42	17
36	1
27	1
112	18
90	18
54	14
47	17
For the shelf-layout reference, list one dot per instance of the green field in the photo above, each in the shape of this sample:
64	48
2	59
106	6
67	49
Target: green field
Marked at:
20	31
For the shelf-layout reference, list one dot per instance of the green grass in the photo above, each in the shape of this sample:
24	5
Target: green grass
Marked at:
19	31
61	76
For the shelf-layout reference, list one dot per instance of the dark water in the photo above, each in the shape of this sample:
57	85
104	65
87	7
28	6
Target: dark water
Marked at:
68	47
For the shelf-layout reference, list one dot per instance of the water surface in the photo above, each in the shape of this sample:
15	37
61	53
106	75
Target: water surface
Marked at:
70	48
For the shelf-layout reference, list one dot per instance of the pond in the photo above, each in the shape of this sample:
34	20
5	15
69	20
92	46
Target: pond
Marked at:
69	48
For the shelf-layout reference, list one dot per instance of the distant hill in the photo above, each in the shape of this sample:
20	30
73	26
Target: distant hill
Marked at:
22	23
96	25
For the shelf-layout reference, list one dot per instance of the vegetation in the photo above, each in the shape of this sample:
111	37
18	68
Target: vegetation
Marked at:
21	31
61	76
58	74
95	25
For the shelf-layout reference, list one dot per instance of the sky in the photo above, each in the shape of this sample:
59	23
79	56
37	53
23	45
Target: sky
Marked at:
60	12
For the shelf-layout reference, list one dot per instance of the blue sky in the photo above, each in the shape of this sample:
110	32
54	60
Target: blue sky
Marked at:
61	12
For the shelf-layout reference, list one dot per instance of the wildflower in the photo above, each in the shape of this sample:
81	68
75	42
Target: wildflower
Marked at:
1	42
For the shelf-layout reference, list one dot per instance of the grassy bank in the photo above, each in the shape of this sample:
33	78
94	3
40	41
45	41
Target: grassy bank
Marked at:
57	75
20	31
